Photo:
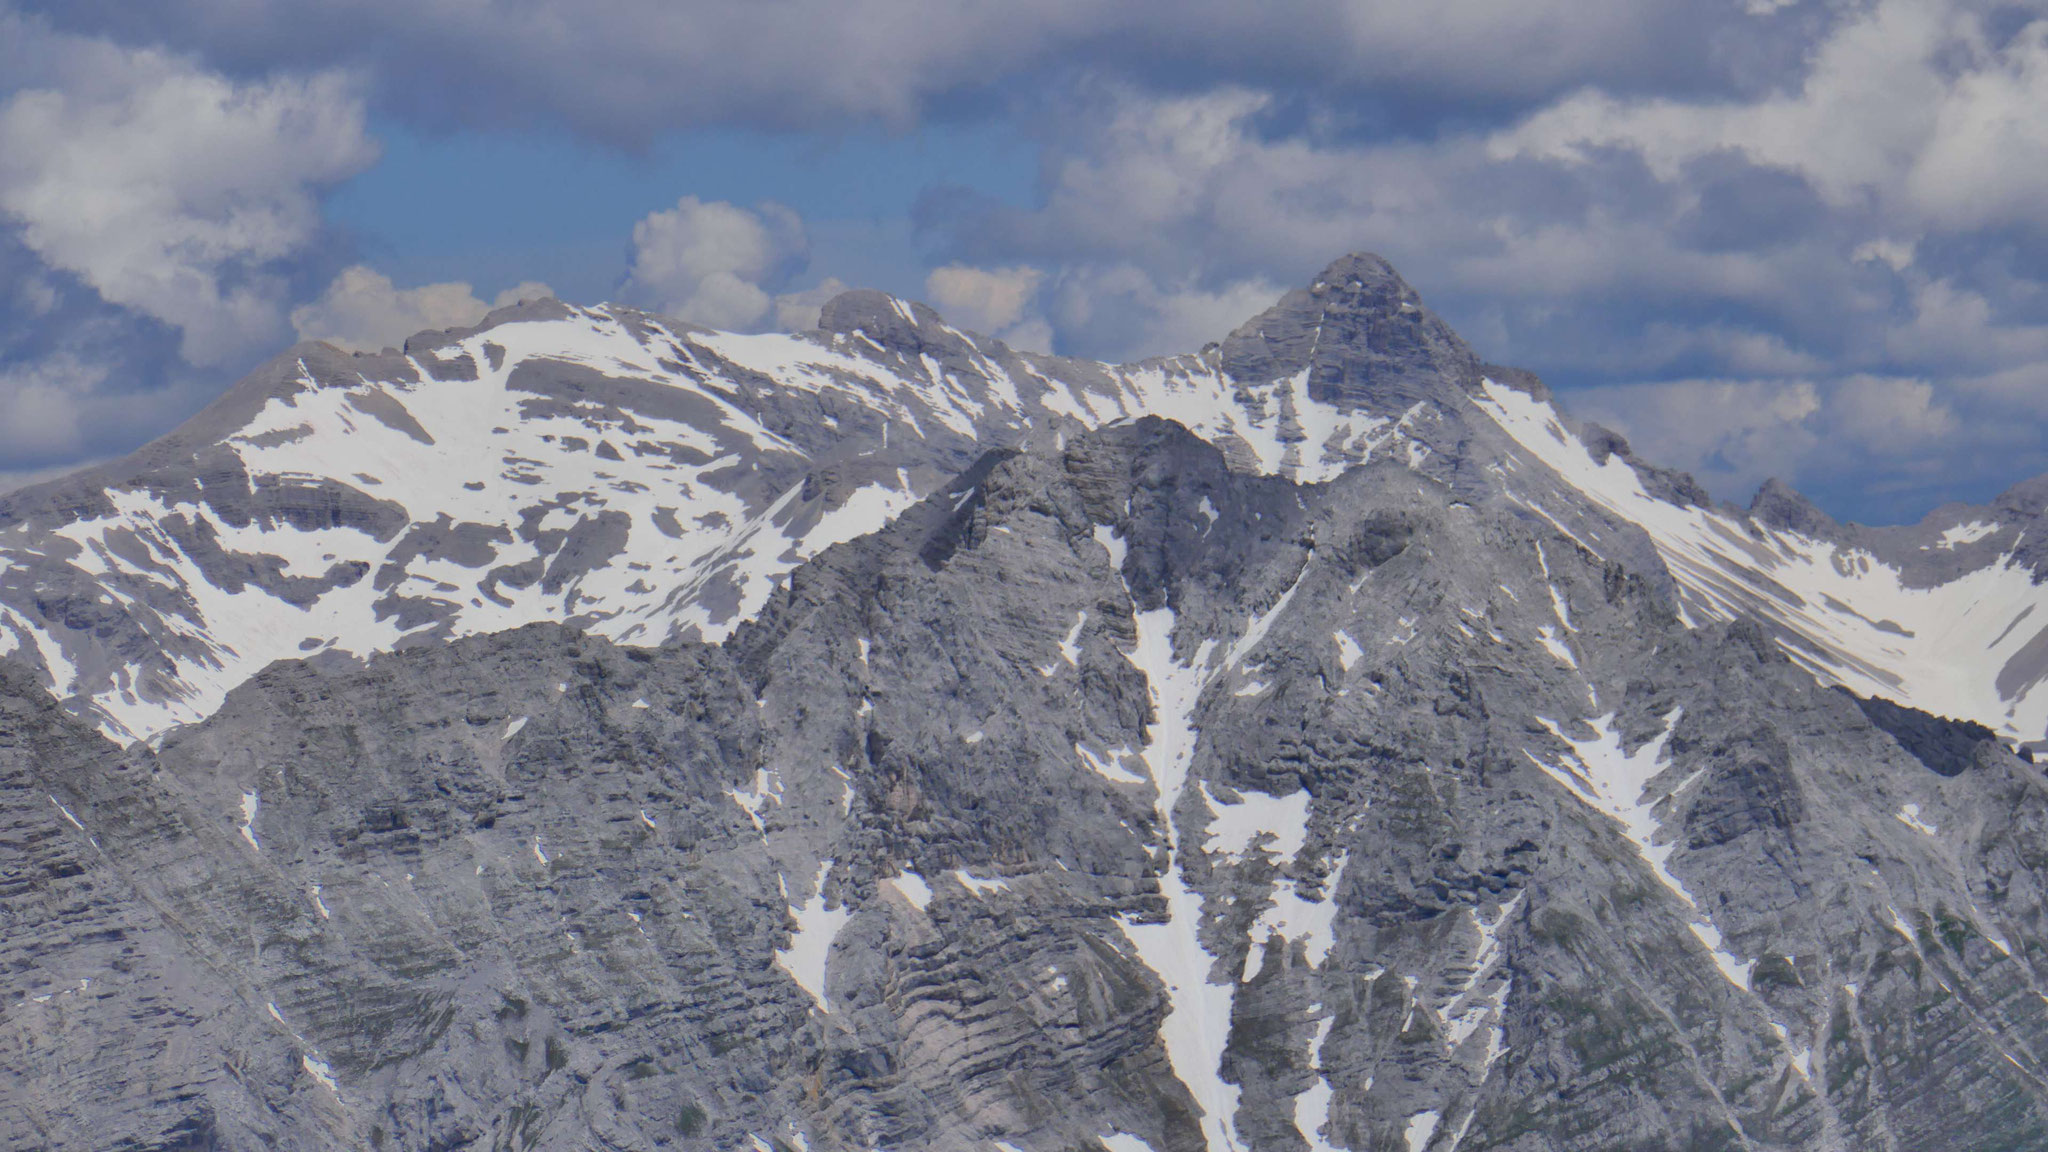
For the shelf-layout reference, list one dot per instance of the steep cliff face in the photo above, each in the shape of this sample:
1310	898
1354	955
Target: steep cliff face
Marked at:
1110	796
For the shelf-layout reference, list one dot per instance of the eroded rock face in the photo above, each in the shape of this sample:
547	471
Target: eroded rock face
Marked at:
631	476
1361	335
1109	794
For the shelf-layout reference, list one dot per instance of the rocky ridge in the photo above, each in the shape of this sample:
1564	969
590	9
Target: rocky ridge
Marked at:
1384	779
647	480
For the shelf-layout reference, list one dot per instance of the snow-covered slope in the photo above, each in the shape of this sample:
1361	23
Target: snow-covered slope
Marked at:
1868	610
1110	794
640	478
648	480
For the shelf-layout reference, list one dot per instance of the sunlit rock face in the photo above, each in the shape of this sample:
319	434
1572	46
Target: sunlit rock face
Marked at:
591	731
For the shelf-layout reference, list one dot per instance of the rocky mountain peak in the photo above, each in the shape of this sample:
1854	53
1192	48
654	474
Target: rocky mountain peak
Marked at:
608	730
1363	336
1779	505
890	321
651	480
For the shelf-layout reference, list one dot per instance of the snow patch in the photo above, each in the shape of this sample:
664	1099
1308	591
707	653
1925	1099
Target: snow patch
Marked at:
767	787
811	944
912	887
977	885
1348	650
1960	534
1558	605
1615	782
1421	1127
321	1071
1312	1106
1262	622
867	509
66	813
1276	824
251	803
1070	648
1109	766
1557	646
1481	997
1113	543
1910	817
1290	917
1197	1025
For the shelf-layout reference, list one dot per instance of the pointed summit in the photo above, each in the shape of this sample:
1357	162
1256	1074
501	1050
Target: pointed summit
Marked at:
1779	505
1362	333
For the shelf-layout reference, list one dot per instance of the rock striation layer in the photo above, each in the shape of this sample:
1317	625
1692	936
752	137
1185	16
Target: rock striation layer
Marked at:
1371	760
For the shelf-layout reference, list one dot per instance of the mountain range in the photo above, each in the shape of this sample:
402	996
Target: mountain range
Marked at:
588	730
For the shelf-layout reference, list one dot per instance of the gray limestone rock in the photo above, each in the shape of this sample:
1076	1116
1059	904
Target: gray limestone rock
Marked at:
591	731
1108	793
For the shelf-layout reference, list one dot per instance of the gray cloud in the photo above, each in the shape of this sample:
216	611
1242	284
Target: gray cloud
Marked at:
1120	311
628	69
82	380
1901	434
1815	280
154	216
1002	302
170	190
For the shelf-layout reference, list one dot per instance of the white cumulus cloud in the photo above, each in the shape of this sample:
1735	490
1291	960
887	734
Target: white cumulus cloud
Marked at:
716	263
362	310
798	311
174	191
1912	103
1000	302
1123	312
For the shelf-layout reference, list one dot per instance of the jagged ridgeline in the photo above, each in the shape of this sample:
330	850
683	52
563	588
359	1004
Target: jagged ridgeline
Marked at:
590	731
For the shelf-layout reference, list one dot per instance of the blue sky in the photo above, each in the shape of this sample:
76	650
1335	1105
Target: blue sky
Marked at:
1804	238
